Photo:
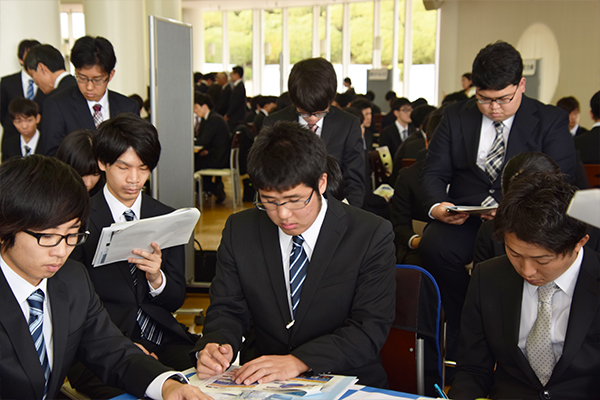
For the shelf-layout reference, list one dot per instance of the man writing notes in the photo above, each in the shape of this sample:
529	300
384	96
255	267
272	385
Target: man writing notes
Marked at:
310	277
51	314
531	319
465	158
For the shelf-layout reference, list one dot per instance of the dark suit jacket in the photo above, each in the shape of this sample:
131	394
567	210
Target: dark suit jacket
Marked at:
588	145
342	137
114	284
11	88
67	82
214	136
453	150
67	111
347	302
222	104
490	361
214	91
81	329
11	147
388	119
410	148
259	120
236	108
580	131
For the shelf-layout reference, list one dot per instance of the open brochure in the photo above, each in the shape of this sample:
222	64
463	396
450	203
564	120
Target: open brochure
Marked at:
118	240
473	210
317	387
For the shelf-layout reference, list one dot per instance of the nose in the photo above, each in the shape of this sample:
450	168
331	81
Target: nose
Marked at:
133	176
89	85
528	268
283	213
61	250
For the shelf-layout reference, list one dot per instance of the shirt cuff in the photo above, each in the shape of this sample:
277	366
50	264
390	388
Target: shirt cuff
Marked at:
431	209
154	389
158	290
410	240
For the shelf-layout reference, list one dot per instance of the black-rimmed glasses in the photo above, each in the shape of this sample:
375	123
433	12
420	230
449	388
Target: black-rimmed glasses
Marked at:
290	204
500	100
53	239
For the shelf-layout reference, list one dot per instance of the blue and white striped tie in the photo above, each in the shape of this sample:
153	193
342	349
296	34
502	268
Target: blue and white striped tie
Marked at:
30	95
298	266
36	328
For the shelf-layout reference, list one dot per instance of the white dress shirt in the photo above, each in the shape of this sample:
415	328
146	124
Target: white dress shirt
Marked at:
487	136
60	78
32	144
402	131
310	241
25	83
105	110
319	125
561	308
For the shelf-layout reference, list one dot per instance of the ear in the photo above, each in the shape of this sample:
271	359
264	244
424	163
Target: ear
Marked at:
522	84
110	76
102	166
396	113
38	118
323	183
581	243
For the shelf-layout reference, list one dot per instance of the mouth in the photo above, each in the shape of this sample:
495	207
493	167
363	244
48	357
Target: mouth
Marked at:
288	227
535	282
53	268
131	191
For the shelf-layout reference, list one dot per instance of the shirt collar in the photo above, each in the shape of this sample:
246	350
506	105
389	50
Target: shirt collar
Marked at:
488	123
567	281
20	287
207	114
117	208
103	102
60	78
32	144
312	233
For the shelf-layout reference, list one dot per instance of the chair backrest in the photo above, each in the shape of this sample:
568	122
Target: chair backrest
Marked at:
235	151
377	118
377	169
386	158
593	174
418	315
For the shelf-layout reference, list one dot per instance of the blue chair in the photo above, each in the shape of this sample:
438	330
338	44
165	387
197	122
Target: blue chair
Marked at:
413	355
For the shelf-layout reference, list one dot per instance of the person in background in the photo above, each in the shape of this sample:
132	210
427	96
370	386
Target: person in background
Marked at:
46	66
76	151
571	106
25	116
467	84
588	144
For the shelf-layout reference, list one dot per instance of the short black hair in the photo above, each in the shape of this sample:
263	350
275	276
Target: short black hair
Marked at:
399	102
22	106
127	130
312	84
26	45
348	80
535	210
38	193
357	112
89	51
286	155
432	121
467	75
526	164
238	69
283	101
497	66
595	105
343	99
197	77
138	99
418	114
418	102
455	97
361	103
335	179
45	54
390	95
76	151
569	104
202	99
370	95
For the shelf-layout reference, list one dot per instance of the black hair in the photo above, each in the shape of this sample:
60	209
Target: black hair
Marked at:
286	155
418	114
197	77
127	130
343	99
595	105
335	179
535	210
370	95
202	99
418	102
525	164
497	66
312	84
455	97
399	102
45	54
22	106
138	99
89	51
76	150
361	103
283	100
569	104
147	106
38	193
432	121
348	80
238	70
26	45
469	76
255	101
357	112
390	95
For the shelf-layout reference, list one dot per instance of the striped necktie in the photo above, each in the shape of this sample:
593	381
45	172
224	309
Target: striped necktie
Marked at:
149	330
298	266
97	115
36	328
493	162
30	94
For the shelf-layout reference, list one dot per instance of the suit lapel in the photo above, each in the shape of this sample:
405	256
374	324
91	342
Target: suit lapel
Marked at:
15	326
328	126
584	307
59	304
81	109
525	122
471	132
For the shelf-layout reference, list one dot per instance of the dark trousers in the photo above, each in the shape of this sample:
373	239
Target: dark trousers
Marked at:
444	251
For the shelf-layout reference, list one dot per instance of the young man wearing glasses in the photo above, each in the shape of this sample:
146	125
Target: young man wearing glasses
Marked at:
139	294
50	311
89	103
312	86
465	160
308	281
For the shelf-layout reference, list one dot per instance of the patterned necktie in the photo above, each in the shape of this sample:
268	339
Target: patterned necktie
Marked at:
36	328
27	150
30	90
404	134
148	327
539	345
298	264
493	162
97	115
313	127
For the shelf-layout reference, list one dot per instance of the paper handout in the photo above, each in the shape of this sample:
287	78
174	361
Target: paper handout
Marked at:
118	240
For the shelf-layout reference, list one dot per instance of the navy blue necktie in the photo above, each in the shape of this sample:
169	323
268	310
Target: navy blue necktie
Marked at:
298	266
36	328
148	327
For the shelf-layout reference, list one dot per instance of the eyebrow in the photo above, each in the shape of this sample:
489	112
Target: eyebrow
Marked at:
542	256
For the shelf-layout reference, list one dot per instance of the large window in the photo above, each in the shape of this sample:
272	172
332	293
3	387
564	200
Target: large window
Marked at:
300	29
337	23
240	43
361	44
271	82
213	39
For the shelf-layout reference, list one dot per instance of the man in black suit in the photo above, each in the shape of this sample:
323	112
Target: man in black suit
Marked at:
18	85
222	102
25	116
464	161
266	105
312	89
46	66
139	294
312	278
571	106
89	103
51	314
236	109
394	134
588	144
531	319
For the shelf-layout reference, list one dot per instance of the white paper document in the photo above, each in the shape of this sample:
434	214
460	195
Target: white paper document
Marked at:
585	206
118	240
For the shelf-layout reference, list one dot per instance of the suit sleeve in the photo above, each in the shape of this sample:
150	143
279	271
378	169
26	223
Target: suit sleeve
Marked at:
484	244
3	102
371	315
54	128
237	100
437	171
476	362
173	266
559	144
353	166
401	216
